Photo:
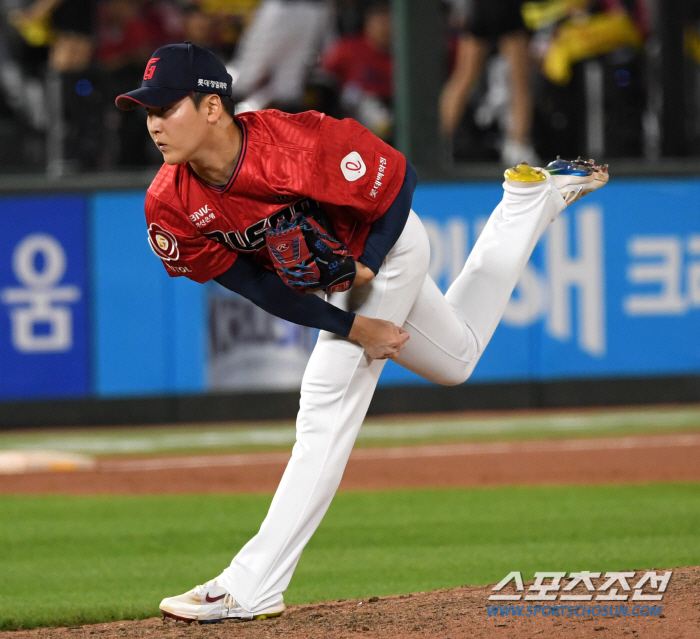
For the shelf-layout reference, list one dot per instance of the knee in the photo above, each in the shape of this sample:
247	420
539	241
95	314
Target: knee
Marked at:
457	374
454	377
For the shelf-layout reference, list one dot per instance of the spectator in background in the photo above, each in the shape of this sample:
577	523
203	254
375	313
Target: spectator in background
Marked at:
605	37
127	32
493	21
229	18
66	26
591	29
276	51
123	33
74	121
199	27
362	66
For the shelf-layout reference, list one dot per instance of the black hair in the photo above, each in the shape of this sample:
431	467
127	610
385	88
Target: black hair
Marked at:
227	102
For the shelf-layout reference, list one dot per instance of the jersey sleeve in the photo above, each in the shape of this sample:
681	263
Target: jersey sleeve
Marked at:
353	168
182	249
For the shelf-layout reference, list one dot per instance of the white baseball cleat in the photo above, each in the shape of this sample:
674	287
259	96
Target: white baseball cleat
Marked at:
572	178
210	603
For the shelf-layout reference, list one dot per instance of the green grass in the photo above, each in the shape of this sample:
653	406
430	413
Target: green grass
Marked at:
393	431
72	560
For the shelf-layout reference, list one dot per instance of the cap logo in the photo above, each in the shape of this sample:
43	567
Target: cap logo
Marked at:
150	69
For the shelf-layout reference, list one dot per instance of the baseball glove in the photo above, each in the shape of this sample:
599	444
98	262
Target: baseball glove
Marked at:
306	257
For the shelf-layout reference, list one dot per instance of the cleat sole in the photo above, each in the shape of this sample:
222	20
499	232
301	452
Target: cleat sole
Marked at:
269	615
187	620
170	615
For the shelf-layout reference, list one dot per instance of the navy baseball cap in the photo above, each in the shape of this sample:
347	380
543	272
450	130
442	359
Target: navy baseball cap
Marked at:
174	72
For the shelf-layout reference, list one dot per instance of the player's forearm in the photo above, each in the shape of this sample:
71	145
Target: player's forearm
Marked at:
266	290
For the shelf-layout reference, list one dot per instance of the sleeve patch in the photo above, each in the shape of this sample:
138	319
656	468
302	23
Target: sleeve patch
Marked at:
378	177
352	166
163	243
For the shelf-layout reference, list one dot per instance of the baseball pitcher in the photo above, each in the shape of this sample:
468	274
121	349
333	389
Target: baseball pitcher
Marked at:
310	218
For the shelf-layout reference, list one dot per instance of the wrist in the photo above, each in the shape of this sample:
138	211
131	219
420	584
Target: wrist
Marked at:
358	330
363	274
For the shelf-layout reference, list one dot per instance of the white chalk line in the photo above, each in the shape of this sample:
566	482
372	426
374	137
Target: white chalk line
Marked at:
410	452
205	437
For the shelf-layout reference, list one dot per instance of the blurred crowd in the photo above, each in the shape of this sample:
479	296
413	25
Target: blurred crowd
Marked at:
517	78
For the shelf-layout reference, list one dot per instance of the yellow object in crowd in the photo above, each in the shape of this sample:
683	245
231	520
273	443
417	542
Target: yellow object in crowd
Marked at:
229	7
692	44
36	32
588	37
541	14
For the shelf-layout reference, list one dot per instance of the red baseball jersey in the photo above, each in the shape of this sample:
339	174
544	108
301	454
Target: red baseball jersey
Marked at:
286	163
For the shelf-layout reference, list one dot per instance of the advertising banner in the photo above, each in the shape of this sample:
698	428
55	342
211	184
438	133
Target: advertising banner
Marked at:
612	290
43	298
250	349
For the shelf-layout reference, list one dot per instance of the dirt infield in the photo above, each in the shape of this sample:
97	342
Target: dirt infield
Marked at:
445	614
601	460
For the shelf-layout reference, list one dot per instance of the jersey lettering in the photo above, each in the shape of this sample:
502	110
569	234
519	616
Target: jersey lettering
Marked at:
253	238
374	187
202	217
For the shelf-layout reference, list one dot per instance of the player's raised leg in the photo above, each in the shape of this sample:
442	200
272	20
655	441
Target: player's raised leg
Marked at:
449	334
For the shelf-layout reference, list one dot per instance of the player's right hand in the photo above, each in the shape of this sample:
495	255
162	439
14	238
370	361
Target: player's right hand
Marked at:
380	339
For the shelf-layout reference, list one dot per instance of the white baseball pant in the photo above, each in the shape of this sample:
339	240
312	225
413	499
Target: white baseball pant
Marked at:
448	335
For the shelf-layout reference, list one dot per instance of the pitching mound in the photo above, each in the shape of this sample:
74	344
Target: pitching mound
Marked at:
443	614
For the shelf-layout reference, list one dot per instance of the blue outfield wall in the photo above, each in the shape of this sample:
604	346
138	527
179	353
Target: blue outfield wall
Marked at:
149	329
612	290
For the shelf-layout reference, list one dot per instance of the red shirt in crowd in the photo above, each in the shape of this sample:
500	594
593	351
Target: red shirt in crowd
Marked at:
286	162
354	60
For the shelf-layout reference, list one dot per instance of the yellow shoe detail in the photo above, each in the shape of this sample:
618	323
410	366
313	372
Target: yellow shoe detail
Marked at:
525	173
268	615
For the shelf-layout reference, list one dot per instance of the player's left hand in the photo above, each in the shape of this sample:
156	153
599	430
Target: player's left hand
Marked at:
363	275
380	339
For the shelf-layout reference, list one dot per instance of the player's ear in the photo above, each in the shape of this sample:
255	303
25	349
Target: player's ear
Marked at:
214	107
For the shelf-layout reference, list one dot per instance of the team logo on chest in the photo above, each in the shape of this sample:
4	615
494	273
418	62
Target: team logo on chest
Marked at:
163	243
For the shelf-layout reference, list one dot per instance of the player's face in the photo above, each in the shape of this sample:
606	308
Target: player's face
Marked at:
177	130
